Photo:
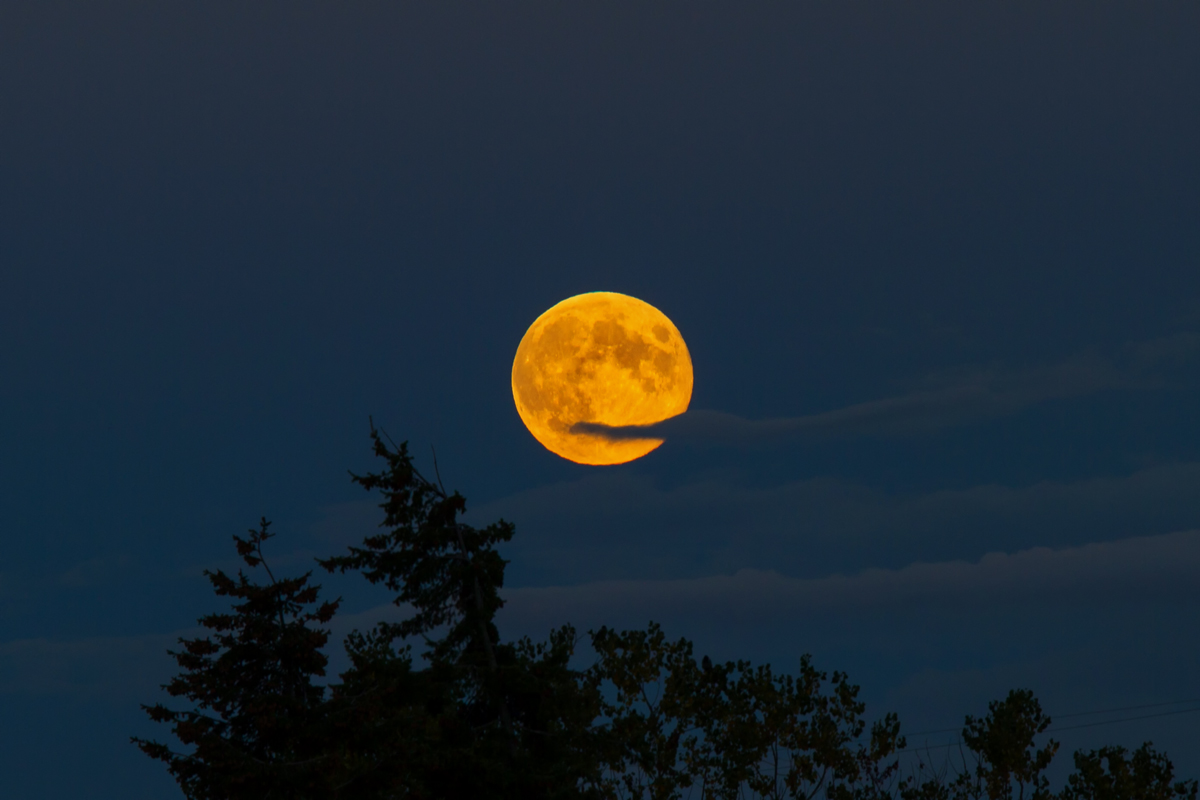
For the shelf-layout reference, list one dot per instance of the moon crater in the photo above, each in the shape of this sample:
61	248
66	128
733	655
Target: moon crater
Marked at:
600	357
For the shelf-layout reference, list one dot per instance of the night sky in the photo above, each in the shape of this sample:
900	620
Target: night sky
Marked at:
937	265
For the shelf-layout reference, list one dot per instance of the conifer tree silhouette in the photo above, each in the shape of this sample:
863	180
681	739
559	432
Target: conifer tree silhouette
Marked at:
500	719
257	726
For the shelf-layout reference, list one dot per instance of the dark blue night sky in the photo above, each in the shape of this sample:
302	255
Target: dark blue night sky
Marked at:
937	264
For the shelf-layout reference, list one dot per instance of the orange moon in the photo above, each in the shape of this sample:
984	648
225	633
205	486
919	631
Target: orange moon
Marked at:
600	357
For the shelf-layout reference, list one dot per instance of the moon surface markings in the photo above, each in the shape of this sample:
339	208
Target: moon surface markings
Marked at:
600	357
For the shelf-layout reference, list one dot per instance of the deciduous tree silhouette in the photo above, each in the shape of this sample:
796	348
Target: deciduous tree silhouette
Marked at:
1010	763
731	730
1112	773
1007	764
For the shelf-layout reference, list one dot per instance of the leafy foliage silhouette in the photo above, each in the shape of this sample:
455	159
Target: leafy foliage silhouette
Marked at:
730	729
1107	774
1004	740
475	716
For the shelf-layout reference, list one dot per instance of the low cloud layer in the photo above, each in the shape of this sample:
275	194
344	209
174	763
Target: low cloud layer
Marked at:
1098	626
1101	625
625	525
118	669
1121	574
930	640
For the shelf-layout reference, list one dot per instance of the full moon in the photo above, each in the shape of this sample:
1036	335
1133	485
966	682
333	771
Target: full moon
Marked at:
600	357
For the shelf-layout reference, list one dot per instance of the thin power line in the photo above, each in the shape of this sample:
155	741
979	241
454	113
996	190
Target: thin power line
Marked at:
939	730
1125	719
1065	728
1076	714
1128	708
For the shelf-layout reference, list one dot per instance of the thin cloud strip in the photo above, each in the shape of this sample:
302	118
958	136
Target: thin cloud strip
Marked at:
1146	568
1150	568
980	395
1161	567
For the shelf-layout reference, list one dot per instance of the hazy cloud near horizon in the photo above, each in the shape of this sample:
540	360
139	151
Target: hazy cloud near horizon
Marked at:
1160	567
1083	626
117	669
577	531
1117	574
1053	612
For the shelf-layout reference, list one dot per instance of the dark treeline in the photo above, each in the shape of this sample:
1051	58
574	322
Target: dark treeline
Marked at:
473	716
